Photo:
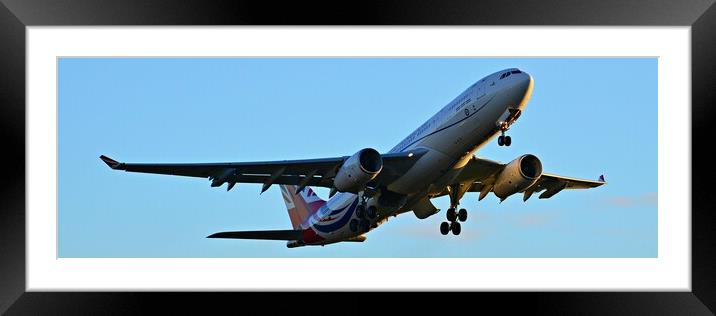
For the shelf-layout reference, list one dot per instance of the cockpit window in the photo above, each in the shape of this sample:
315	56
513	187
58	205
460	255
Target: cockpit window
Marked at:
516	72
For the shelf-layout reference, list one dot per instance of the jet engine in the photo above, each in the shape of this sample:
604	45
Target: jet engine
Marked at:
358	170
517	176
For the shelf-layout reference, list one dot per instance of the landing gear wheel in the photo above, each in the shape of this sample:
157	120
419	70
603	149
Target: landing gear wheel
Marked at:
444	228
360	211
508	140
500	140
353	225
455	227
364	225
462	215
372	212
451	215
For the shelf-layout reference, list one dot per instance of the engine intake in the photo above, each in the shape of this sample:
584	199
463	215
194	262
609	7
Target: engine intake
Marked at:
517	176
358	170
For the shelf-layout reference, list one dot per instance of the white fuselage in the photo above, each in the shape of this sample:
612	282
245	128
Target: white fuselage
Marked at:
450	137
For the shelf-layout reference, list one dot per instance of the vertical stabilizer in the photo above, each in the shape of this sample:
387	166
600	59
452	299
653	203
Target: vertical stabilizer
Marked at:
302	205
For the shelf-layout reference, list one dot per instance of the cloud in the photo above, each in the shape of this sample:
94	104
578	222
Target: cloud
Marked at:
644	199
471	233
425	230
532	220
615	232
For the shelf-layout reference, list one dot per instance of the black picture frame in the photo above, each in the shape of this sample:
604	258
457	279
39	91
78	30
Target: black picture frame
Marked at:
15	15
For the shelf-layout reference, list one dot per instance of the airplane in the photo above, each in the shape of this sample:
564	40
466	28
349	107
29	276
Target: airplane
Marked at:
368	187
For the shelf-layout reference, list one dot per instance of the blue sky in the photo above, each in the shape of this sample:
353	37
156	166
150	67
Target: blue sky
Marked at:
587	116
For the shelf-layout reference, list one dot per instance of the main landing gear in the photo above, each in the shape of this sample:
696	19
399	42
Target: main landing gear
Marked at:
452	225
365	216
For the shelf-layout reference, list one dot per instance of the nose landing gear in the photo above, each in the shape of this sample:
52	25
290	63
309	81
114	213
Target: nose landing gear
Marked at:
513	115
504	140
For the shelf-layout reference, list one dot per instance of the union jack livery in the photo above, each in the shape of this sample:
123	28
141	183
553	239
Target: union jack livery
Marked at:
366	188
300	205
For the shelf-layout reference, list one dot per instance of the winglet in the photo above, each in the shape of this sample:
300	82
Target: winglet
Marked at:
601	178
111	162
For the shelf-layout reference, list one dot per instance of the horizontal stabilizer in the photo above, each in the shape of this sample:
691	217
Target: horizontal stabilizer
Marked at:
261	234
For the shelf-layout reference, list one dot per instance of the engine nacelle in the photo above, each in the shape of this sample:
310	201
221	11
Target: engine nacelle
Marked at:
358	170
517	176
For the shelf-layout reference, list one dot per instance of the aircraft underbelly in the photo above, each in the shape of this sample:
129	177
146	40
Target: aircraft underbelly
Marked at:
427	169
448	147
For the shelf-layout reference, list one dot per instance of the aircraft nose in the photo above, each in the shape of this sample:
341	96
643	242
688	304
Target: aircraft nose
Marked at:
524	81
524	87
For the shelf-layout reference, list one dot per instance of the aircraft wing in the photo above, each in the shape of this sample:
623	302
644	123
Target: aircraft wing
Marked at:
482	173
308	172
552	184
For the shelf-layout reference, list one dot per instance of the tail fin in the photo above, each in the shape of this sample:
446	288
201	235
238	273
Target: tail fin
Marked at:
302	205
